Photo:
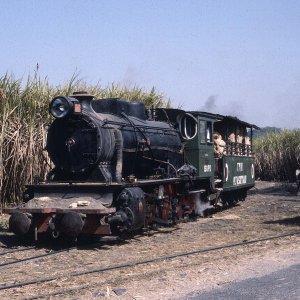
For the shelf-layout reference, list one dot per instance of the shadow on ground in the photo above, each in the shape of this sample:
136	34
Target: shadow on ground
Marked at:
282	189
287	221
10	240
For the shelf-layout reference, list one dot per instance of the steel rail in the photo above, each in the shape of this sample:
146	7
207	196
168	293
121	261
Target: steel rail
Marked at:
35	257
142	262
17	250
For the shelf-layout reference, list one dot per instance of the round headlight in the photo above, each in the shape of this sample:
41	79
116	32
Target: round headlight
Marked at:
60	107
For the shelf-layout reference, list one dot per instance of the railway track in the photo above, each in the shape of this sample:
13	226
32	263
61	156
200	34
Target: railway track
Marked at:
133	264
12	250
48	254
35	257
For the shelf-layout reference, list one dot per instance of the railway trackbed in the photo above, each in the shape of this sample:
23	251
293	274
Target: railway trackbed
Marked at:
129	264
166	263
49	252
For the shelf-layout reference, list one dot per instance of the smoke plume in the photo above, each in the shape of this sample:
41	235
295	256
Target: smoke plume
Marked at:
210	104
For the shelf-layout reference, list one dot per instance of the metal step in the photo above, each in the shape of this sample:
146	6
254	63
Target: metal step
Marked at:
197	191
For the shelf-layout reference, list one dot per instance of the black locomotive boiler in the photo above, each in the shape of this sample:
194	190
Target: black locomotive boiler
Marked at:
119	168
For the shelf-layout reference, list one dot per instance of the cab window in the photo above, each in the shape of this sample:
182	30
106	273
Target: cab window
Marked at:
209	132
202	131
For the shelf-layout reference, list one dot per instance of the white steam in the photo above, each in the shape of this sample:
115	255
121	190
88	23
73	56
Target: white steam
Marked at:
200	205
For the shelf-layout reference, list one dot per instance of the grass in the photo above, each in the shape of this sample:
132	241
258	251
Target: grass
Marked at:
277	155
24	119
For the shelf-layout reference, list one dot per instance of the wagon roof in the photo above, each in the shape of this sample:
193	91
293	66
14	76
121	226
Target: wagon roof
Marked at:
219	117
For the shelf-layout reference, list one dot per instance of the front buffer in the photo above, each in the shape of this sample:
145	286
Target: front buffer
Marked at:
63	209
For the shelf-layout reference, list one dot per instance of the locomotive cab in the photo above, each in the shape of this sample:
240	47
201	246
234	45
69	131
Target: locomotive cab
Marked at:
199	150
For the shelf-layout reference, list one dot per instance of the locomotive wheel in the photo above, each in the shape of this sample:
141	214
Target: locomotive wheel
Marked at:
71	224
229	199
243	195
131	211
19	223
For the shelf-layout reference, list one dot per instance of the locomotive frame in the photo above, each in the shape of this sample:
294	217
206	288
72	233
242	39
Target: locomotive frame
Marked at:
179	171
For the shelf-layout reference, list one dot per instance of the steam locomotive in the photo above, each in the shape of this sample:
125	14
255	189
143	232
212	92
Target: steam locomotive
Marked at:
119	167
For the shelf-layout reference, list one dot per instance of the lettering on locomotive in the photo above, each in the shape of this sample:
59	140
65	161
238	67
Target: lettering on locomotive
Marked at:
240	167
207	168
238	180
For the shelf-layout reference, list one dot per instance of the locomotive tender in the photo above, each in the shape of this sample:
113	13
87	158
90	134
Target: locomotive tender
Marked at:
119	168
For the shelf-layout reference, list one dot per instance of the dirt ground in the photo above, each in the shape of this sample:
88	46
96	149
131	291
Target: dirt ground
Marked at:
270	209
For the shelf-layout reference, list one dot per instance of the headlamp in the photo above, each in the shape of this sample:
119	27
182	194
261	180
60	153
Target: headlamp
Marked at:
60	107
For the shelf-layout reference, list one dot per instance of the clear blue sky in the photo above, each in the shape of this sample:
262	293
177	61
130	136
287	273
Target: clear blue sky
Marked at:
232	57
